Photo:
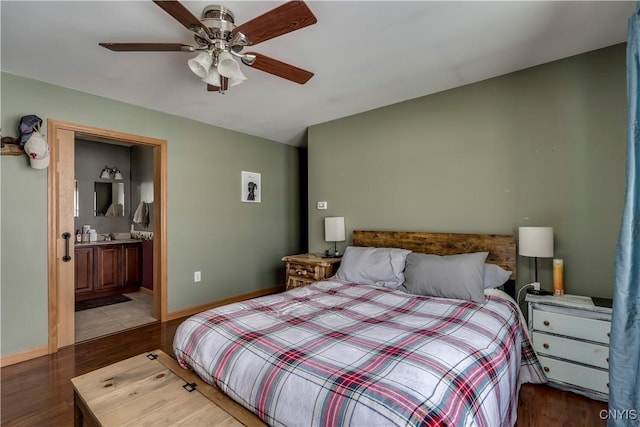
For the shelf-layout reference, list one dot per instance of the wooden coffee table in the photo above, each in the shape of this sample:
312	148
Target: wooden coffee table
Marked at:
152	389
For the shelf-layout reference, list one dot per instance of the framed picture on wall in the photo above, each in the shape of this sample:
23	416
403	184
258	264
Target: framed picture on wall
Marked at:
251	187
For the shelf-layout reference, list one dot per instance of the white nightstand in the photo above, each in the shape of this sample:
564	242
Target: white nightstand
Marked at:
571	338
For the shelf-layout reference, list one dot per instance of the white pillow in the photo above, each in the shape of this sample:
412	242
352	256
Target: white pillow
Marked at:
450	276
494	276
373	266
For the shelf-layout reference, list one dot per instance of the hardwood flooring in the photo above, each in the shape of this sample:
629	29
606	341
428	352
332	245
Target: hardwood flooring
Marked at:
39	392
544	406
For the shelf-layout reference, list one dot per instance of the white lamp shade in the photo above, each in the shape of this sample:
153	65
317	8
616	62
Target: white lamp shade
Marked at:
238	77
536	241
201	64
229	67
213	78
105	173
334	229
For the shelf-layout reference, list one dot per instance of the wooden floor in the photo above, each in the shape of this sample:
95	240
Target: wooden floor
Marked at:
39	392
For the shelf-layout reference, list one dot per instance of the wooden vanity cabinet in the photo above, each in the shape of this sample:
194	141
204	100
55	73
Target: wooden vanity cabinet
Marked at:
107	269
85	275
131	265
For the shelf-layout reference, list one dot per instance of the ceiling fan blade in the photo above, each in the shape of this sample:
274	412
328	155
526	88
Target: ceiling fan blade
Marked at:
148	47
280	69
182	15
283	19
212	88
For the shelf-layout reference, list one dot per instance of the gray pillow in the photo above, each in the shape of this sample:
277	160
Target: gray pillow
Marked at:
451	276
494	276
373	266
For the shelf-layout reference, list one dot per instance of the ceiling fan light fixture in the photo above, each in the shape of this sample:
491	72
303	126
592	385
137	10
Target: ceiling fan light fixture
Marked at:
229	67
213	78
233	81
239	41
201	64
239	77
248	59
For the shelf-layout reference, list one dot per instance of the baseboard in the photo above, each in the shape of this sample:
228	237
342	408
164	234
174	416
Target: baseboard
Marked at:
146	291
22	356
208	306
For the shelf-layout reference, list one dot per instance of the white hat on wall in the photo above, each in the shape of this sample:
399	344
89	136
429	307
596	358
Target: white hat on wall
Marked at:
38	151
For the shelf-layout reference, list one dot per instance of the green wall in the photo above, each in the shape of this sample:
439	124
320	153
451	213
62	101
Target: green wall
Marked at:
237	246
542	146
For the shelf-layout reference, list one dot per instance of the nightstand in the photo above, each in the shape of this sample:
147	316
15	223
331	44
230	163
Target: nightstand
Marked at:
571	338
305	269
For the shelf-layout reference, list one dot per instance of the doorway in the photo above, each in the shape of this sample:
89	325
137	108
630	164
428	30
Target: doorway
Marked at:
62	136
113	274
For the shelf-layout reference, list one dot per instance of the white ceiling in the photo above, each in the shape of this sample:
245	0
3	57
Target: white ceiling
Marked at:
365	54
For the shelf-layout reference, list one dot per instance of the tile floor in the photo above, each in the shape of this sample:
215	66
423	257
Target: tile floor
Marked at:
109	319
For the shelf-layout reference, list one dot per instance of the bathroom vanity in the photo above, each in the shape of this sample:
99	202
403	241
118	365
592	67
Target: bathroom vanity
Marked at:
107	268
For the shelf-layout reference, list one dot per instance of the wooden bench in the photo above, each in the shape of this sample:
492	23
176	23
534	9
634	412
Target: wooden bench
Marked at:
152	389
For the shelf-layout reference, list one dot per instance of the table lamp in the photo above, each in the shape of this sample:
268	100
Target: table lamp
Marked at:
334	232
536	242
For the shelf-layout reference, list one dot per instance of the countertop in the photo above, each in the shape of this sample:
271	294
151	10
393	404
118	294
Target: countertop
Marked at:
573	301
110	242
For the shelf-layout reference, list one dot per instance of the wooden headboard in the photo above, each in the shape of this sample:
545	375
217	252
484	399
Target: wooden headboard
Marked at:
501	248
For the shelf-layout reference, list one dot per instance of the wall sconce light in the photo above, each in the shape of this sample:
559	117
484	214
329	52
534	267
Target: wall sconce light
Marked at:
107	172
334	232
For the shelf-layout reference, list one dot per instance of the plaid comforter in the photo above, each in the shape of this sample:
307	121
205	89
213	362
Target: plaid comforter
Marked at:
335	353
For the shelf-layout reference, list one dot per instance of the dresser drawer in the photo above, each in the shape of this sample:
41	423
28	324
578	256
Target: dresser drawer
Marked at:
578	327
296	282
577	375
305	271
579	351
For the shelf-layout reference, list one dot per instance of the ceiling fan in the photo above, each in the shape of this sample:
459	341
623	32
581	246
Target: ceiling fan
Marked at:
220	41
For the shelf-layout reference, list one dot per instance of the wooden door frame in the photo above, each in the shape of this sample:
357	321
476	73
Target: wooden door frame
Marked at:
159	217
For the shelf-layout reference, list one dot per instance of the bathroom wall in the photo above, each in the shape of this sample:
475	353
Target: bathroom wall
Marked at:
142	182
90	158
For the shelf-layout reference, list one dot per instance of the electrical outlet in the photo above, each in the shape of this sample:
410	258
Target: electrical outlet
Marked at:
536	286
196	276
322	205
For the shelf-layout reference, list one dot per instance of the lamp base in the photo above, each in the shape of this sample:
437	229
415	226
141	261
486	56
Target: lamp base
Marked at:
328	254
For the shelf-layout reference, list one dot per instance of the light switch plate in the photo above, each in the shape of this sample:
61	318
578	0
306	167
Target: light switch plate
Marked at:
322	205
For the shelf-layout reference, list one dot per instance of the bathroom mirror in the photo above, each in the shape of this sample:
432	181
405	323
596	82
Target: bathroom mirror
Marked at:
76	200
109	199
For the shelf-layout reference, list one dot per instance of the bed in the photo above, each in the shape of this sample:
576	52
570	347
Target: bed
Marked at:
340	352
